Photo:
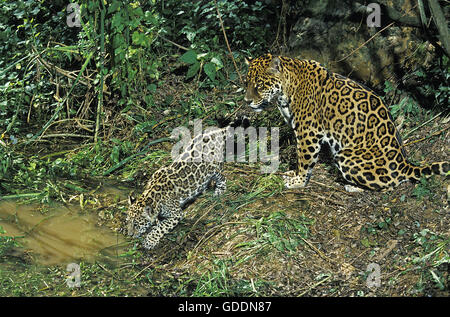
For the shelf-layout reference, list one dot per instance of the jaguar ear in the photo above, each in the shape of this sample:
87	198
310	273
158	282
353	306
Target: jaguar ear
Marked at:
131	198
274	66
248	60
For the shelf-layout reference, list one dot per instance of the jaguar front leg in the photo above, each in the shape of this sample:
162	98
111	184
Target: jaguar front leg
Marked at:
296	179
162	227
307	154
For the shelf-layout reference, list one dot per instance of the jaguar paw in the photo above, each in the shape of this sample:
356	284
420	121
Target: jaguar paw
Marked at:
292	180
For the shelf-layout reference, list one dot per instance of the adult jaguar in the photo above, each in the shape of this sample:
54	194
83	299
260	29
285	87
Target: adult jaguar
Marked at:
326	108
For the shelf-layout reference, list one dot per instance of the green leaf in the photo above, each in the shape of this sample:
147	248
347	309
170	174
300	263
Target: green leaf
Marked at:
117	23
193	70
139	38
217	61
210	70
437	280
190	57
190	36
151	87
419	73
113	7
388	87
365	242
115	153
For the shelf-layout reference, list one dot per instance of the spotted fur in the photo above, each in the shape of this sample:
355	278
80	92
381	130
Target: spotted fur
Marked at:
326	108
160	207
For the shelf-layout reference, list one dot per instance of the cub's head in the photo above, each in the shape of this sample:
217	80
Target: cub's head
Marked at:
263	81
140	217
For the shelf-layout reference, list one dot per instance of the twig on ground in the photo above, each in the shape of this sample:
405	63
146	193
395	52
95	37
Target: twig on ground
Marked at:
427	137
423	124
206	237
167	119
71	135
315	285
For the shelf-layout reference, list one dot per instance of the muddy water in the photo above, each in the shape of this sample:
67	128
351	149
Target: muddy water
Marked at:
60	235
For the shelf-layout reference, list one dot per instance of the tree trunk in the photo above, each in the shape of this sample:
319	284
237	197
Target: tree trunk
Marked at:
441	24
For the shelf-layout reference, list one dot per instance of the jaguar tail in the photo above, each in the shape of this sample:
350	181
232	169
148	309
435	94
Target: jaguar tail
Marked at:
438	168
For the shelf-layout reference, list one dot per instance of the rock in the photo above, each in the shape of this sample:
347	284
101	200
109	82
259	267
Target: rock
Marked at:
335	33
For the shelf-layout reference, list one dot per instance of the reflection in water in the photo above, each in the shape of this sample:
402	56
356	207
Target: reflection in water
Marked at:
61	235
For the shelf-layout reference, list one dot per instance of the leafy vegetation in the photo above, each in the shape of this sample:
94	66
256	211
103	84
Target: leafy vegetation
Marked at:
84	106
54	77
432	252
7	242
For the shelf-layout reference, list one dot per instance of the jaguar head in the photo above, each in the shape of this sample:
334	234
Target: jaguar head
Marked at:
139	217
264	81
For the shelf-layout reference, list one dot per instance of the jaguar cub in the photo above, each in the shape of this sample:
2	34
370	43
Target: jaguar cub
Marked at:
160	207
326	108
